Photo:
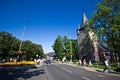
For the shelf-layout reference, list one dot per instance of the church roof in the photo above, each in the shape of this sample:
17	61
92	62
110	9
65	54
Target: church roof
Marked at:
83	23
84	20
103	46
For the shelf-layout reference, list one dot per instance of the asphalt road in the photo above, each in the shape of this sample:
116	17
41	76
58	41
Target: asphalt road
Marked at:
66	72
22	73
53	71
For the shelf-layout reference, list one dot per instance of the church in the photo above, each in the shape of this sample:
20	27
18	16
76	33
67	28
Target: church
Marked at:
87	42
89	48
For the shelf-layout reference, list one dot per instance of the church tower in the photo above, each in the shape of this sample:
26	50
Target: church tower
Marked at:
86	44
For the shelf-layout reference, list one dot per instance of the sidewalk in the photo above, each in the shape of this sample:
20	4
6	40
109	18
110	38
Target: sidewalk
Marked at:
93	69
101	71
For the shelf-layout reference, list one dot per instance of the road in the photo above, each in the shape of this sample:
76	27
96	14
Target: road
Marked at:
53	71
66	72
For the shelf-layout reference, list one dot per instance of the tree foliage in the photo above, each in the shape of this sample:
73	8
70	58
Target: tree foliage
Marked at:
106	24
30	50
9	46
58	46
62	47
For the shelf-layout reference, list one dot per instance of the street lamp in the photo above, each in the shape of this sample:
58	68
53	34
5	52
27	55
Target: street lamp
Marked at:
23	34
71	51
19	51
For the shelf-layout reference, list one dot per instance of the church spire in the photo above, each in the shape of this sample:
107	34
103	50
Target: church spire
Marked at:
83	23
84	20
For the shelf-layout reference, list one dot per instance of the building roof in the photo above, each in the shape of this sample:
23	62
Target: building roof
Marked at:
103	46
51	54
84	20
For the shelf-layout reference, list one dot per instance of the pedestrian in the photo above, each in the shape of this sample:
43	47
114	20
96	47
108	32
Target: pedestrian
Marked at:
90	63
107	65
84	61
80	62
64	58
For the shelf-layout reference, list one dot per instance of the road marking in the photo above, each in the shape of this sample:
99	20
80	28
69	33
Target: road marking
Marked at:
66	70
85	78
100	76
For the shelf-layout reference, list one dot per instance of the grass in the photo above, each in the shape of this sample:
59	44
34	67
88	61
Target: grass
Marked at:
94	65
101	66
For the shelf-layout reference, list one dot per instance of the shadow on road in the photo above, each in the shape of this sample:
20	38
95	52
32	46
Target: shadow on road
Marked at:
115	72
98	70
22	72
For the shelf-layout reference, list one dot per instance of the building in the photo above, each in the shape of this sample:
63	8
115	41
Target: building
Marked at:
50	55
87	45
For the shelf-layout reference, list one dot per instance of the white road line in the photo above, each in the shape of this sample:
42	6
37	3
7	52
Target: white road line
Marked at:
85	78
66	70
100	76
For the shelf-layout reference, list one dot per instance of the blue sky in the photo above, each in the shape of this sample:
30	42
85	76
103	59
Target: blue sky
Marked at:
47	18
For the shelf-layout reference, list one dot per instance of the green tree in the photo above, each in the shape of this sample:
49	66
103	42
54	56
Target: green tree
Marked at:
8	45
30	50
74	49
38	50
70	47
65	47
58	47
106	24
14	47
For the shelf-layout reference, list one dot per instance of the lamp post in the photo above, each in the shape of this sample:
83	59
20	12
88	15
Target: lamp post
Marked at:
19	51
71	51
23	34
22	38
